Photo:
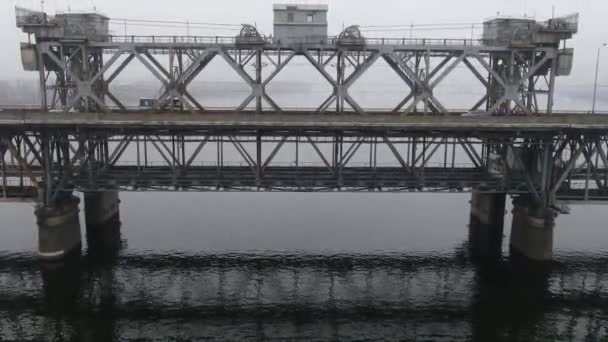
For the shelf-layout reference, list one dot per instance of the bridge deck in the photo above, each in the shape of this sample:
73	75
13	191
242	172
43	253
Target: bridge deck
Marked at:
304	120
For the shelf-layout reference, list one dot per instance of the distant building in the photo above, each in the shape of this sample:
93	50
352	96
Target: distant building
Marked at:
297	24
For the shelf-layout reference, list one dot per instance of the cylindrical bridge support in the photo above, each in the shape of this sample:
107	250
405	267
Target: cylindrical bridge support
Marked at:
532	231
487	225
59	229
102	213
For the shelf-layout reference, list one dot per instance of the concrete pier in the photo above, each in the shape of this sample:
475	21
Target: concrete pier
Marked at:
59	229
102	213
532	231
486	225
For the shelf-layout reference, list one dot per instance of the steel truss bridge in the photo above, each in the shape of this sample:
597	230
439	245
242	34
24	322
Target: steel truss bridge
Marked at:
514	79
90	141
556	158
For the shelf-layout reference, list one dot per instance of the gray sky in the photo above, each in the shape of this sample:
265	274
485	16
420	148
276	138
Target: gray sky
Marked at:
594	14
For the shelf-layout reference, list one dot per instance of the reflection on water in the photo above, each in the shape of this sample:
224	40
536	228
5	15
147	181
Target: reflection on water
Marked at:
146	297
390	272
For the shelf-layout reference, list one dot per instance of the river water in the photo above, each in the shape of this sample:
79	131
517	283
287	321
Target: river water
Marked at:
300	267
323	267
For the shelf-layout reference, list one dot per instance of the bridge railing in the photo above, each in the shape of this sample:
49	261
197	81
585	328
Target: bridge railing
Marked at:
231	40
173	39
413	41
437	165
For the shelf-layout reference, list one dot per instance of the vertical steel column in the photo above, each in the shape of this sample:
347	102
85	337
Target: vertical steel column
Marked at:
258	163
220	159
3	151
531	94
48	176
340	66
547	174
550	98
427	72
338	157
258	81
42	78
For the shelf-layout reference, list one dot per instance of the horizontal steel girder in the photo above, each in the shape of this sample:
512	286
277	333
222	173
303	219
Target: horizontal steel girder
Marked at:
547	168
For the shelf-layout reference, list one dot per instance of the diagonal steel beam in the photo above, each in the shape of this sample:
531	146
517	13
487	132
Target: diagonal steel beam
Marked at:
22	164
591	166
119	150
443	63
433	152
272	61
476	73
245	102
396	68
107	65
425	147
242	151
192	100
331	58
157	64
120	68
116	100
361	69
99	102
33	149
321	70
495	75
420	83
480	103
274	153
472	153
397	155
153	70
328	102
350	153
566	172
349	99
239	70
316	148
190	76
175	162
404	102
197	151
447	71
278	69
535	68
62	65
162	154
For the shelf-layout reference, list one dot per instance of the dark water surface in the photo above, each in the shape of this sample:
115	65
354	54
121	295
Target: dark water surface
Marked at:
320	267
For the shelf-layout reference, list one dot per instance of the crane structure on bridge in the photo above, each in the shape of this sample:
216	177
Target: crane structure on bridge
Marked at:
516	62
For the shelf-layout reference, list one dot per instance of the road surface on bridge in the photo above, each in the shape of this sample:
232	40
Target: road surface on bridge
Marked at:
305	120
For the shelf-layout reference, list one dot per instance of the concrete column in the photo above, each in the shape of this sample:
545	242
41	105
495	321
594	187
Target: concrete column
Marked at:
59	230
102	213
532	231
487	225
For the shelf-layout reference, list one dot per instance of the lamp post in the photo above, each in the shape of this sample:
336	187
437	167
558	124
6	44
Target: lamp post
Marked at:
597	70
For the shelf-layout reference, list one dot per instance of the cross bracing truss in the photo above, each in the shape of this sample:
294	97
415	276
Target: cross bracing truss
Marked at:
514	80
547	167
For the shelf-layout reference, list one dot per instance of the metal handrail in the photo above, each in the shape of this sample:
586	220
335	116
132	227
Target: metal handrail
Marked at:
231	40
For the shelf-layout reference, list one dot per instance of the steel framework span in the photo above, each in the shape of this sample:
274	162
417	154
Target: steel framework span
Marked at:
518	77
549	159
